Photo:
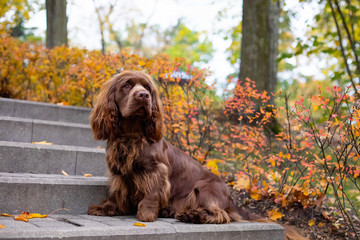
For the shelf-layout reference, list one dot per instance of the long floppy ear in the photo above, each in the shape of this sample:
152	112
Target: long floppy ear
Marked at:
154	124
104	116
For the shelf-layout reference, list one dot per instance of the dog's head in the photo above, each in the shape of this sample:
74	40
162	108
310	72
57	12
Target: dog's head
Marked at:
129	97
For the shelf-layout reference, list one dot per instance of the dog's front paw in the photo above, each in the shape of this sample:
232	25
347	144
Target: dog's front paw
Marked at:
146	215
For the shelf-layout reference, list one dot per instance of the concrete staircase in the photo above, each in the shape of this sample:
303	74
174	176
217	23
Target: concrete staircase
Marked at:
31	180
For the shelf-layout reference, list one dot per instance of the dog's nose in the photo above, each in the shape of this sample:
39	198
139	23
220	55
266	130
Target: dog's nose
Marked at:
142	95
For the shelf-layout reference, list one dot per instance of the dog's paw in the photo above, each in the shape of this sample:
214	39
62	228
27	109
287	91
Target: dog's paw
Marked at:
166	213
97	210
146	216
188	216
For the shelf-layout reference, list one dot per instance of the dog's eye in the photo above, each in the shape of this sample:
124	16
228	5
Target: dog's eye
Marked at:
148	88
126	86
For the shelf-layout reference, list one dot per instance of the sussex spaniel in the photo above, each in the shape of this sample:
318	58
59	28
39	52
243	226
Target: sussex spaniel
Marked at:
148	175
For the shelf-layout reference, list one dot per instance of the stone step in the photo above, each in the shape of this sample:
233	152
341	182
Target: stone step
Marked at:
18	157
43	111
44	193
16	129
122	227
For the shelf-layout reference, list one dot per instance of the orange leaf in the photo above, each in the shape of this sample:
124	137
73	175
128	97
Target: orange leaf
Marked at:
274	214
26	215
87	175
21	218
2	226
319	201
255	195
139	224
6	215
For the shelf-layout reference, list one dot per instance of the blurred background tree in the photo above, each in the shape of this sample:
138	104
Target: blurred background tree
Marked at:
56	23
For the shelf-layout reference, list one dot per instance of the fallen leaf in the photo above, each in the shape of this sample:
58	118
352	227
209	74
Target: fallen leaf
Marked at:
2	226
26	215
6	215
255	196
139	224
43	142
320	224
37	215
319	201
64	173
336	225
87	175
21	218
274	214
100	147
311	222
326	215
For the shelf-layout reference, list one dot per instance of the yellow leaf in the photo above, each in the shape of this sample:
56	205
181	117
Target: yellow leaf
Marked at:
64	173
2	226
87	175
176	130
139	224
255	196
43	142
311	222
6	215
37	215
243	182
274	214
212	165
320	224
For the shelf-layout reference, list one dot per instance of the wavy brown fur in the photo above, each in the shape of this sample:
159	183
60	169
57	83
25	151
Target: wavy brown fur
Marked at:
148	175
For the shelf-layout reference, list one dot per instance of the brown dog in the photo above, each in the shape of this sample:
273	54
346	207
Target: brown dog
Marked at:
148	175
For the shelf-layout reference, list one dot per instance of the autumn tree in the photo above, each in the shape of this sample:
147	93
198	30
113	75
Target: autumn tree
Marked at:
259	43
56	23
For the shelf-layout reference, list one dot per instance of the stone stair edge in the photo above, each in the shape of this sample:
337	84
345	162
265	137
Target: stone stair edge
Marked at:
93	227
52	146
55	105
47	122
51	179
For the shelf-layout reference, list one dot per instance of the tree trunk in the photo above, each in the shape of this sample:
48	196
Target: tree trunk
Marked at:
259	45
56	31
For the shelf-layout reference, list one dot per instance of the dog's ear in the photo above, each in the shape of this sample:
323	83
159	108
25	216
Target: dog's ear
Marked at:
105	116
154	124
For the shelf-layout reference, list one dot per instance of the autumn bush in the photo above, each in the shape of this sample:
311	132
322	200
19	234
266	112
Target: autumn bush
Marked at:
313	158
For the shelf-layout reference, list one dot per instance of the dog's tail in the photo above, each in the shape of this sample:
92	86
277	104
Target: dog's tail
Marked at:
290	232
